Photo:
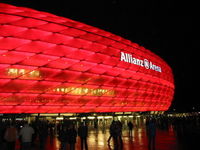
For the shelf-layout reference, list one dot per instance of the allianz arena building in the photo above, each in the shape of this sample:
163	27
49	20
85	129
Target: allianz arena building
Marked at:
52	64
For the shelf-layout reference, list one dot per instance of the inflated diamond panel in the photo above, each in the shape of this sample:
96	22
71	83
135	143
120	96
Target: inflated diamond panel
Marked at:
51	64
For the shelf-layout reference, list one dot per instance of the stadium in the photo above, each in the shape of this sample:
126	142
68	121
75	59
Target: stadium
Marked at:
52	64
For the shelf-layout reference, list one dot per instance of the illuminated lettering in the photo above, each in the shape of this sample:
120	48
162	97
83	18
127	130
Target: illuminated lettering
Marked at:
154	67
123	57
143	63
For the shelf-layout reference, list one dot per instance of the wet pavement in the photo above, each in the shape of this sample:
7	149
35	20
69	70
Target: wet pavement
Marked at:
166	139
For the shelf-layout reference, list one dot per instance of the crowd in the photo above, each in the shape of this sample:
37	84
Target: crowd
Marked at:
26	134
68	131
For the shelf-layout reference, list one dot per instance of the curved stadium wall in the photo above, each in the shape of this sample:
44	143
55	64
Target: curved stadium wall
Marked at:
51	64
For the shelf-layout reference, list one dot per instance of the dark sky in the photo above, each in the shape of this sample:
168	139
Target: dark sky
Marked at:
167	28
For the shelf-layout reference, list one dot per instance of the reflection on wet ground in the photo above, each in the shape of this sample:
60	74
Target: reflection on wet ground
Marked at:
97	140
172	133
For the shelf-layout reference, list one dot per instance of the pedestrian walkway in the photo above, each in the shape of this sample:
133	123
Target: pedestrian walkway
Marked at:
97	140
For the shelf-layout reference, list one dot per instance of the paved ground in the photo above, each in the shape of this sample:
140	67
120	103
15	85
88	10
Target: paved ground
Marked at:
185	137
97	140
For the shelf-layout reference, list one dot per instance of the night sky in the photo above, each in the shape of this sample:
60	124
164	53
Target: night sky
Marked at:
167	28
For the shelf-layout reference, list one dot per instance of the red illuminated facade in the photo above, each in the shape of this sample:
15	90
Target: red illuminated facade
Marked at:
51	64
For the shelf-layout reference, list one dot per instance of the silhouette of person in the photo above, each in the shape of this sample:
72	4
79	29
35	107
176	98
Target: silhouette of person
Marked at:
83	133
26	134
116	134
2	133
11	137
130	127
151	133
43	134
72	136
63	137
111	130
51	132
119	135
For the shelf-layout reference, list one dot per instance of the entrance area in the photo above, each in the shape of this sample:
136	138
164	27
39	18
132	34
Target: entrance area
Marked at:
169	130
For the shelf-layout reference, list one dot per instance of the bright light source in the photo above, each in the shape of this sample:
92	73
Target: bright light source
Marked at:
59	118
72	118
100	117
91	117
108	117
130	116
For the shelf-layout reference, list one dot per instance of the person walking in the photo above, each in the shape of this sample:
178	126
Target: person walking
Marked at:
151	133
72	133
111	130
130	128
43	134
63	137
26	134
119	135
11	137
83	133
116	134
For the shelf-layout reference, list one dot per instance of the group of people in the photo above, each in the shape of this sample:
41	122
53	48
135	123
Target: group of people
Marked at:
25	135
68	135
116	134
